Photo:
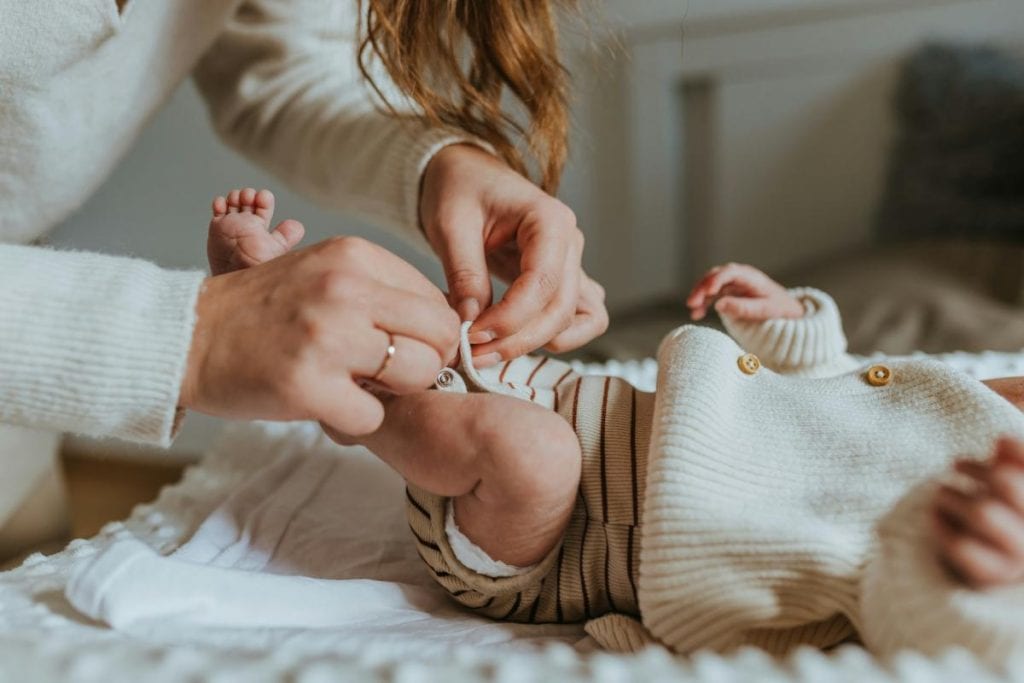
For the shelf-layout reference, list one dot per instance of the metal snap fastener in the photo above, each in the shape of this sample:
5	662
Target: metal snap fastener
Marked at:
749	363
879	375
445	378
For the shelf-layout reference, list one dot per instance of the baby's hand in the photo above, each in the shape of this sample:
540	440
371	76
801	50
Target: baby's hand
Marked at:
240	234
981	532
744	293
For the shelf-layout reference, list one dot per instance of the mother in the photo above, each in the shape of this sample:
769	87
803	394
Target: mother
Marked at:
119	347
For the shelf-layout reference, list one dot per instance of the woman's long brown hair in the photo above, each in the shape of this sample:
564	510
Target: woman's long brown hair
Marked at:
455	58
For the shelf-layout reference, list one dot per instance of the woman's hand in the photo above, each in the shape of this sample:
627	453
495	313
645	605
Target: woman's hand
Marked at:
483	218
744	293
294	337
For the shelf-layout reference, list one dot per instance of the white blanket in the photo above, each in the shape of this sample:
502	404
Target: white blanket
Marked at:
221	590
315	539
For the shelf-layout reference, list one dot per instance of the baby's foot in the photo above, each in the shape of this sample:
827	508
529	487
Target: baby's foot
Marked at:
980	528
240	235
512	467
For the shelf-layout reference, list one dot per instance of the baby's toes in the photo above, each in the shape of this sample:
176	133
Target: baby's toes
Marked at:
234	201
288	233
263	205
256	248
220	207
247	200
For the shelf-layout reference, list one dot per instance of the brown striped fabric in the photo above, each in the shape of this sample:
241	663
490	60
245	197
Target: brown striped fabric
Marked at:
594	570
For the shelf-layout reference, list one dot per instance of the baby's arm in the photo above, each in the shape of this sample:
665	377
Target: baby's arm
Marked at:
796	331
934	548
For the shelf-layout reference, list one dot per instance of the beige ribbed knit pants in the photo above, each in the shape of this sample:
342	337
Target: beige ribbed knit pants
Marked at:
594	570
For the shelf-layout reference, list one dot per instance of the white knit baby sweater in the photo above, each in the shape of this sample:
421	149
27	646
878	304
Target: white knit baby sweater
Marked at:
98	344
765	492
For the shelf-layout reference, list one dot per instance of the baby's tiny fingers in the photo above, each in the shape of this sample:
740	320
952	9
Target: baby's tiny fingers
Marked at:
748	309
1010	450
973	469
978	563
985	518
1008	484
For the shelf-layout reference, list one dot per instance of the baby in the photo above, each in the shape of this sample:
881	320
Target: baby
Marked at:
773	495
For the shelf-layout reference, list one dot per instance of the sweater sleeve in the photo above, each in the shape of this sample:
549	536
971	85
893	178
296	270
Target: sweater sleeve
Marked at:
93	344
811	346
284	88
910	602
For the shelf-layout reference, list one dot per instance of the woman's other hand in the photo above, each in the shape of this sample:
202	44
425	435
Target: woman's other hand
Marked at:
744	293
293	338
483	218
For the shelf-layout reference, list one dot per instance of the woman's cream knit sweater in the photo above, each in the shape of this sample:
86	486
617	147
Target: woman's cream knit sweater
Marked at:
97	344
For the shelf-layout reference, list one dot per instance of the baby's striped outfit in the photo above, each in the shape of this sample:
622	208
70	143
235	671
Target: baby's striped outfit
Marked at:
594	570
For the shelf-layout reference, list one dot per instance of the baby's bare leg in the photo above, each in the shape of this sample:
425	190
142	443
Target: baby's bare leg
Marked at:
511	467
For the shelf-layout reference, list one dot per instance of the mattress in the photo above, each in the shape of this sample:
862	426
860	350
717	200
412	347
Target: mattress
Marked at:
43	638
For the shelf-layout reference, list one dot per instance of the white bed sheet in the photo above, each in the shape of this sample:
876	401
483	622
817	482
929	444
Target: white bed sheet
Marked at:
43	638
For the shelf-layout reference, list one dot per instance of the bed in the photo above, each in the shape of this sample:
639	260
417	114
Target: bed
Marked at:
390	634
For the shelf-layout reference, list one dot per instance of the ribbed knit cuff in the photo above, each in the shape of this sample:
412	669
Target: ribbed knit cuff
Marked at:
811	345
910	602
404	167
93	344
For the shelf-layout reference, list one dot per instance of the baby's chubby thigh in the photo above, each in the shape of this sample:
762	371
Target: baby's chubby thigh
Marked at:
511	468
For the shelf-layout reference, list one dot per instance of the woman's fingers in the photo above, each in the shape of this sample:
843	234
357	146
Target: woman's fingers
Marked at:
345	406
415	316
544	276
590	321
370	262
553	319
411	367
424	339
465	264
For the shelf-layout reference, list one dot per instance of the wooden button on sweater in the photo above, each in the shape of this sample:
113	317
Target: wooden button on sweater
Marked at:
749	363
879	375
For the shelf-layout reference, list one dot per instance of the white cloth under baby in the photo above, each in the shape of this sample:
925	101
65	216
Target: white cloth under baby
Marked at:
317	538
251	561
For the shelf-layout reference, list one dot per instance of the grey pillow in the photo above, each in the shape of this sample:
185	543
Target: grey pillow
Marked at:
957	165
